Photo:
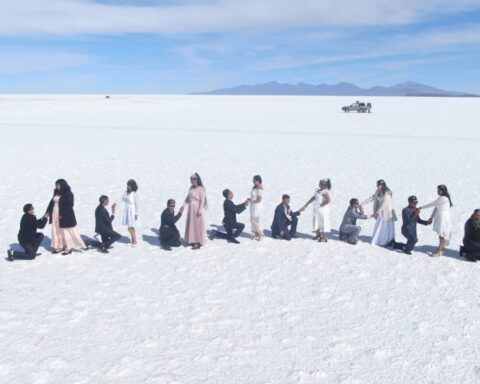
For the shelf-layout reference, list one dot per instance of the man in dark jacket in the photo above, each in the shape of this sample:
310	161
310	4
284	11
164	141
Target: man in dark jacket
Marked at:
103	224
284	218
471	240
230	223
169	234
410	217
349	230
28	237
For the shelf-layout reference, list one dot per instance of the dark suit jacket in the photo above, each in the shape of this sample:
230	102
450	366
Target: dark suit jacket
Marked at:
471	239
28	228
167	223
231	210
65	205
103	221
410	220
280	220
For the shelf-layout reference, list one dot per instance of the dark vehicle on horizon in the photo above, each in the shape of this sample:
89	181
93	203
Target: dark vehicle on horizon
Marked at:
358	106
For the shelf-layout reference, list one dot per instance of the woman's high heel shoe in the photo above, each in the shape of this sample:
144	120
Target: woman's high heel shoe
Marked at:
65	253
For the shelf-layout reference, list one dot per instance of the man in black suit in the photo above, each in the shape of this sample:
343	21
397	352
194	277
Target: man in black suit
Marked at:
230	223
284	218
169	233
28	237
471	240
103	224
410	217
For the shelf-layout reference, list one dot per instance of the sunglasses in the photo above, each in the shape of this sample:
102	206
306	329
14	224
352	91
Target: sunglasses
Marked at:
171	206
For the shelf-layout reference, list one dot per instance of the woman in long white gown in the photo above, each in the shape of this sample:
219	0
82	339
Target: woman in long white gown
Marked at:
130	210
383	212
256	196
442	222
321	210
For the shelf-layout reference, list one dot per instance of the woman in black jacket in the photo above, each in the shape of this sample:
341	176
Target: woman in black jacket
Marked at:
62	217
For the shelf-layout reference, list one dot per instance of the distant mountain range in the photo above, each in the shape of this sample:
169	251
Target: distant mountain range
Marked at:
408	88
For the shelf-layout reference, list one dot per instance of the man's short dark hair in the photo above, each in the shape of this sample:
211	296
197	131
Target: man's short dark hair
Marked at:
285	196
412	199
27	208
170	202
102	199
353	201
225	192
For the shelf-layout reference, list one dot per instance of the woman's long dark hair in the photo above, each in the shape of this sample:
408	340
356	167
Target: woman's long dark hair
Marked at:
133	185
64	187
257	178
443	188
197	177
384	186
325	183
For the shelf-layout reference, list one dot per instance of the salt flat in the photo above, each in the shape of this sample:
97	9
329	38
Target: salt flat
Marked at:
259	312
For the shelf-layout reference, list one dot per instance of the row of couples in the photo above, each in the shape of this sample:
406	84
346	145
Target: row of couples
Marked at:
65	235
285	220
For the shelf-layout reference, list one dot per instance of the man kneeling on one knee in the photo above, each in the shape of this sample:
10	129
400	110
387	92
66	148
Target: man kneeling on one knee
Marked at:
349	230
103	224
284	217
28	237
230	223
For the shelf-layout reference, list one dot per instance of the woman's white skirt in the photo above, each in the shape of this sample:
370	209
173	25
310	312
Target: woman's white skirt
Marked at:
321	219
383	233
442	224
129	216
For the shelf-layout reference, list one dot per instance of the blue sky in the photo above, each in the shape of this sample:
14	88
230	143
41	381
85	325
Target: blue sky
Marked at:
168	46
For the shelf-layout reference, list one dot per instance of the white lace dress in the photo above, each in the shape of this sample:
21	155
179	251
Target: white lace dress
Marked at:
130	209
256	210
321	215
442	221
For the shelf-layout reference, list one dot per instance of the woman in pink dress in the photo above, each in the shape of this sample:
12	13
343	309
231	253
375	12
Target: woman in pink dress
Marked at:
195	232
62	217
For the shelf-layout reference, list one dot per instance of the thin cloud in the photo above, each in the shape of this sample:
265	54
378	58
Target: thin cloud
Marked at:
21	62
71	17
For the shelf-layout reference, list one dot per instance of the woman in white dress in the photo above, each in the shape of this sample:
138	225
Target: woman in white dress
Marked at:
321	210
383	212
442	222
130	211
256	196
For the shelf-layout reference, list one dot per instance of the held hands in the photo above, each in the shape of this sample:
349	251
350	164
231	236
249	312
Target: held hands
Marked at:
247	202
430	221
374	215
182	208
46	215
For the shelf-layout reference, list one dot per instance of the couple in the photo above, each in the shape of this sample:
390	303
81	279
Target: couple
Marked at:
61	215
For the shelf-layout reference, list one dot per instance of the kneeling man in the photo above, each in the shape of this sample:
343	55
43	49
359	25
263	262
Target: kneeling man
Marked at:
284	218
169	233
103	224
28	237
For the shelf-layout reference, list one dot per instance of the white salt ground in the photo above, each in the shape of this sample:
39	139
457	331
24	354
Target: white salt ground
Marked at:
261	312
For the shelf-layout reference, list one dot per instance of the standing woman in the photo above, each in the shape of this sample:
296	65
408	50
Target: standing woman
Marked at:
442	222
383	212
130	211
321	210
62	217
256	207
195	232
